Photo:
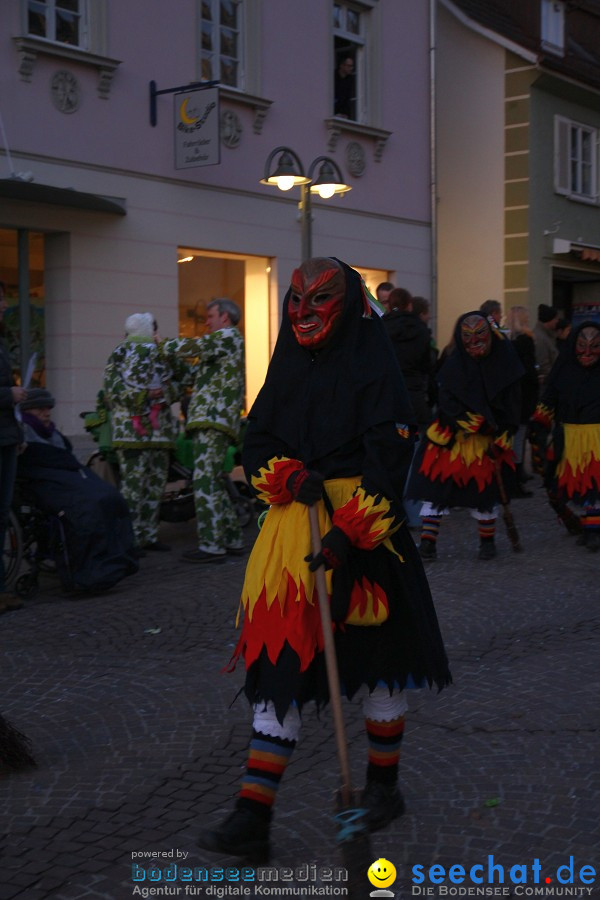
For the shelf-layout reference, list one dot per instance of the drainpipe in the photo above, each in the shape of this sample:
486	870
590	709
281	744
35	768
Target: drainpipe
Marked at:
433	163
24	303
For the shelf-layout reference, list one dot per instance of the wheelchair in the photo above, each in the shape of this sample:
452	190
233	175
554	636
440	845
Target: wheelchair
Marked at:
37	540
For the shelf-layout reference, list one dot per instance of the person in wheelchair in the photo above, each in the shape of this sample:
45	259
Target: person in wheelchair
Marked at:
95	517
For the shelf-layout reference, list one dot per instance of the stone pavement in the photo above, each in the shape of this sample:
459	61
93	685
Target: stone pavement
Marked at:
139	743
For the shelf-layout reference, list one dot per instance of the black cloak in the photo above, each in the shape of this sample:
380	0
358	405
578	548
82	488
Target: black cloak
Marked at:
318	402
336	410
485	386
572	390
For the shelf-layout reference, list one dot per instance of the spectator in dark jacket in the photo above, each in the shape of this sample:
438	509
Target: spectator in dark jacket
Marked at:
411	339
523	342
422	309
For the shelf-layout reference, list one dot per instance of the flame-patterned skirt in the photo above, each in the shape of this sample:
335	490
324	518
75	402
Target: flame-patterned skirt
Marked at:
462	473
577	474
385	628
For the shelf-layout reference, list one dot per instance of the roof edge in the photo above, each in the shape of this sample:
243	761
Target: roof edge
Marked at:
493	36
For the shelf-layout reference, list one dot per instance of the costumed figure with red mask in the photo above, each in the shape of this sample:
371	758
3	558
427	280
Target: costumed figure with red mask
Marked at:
332	427
569	410
470	441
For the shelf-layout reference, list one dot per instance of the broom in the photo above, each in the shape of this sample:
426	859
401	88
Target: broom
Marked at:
353	833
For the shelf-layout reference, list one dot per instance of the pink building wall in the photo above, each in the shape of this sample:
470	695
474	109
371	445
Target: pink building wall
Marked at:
100	268
156	40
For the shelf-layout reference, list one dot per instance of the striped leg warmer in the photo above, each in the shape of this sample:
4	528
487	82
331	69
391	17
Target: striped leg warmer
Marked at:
267	760
487	529
384	740
430	528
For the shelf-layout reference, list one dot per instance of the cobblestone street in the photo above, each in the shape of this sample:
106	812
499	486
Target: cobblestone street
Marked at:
140	743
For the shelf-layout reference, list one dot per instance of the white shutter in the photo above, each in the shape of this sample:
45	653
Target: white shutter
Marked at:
562	181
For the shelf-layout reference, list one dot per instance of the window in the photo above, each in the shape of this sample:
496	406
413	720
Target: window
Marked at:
221	42
576	160
553	26
60	21
349	49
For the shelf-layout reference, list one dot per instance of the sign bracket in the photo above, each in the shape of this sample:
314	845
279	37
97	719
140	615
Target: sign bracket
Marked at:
154	93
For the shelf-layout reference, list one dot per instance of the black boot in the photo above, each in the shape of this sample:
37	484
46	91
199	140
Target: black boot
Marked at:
593	542
487	549
428	549
522	479
243	833
383	803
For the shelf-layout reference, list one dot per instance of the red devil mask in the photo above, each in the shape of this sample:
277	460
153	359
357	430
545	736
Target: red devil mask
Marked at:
587	346
476	336
316	301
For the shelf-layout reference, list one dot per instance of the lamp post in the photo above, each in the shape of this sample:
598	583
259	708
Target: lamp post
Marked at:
289	172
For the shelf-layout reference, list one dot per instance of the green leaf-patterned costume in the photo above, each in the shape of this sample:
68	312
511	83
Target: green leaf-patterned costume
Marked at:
143	458
216	365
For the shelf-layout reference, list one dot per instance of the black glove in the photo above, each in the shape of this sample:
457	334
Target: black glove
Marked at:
305	486
335	547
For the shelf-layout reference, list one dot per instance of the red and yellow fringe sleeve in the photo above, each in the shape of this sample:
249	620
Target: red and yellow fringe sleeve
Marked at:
544	416
271	482
471	423
366	520
504	441
439	434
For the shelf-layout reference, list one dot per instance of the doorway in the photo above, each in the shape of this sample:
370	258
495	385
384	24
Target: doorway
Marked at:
576	293
206	275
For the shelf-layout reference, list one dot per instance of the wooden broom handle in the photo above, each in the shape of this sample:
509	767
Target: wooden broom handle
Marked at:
333	678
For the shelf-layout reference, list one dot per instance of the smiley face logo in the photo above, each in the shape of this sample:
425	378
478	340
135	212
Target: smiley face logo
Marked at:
382	873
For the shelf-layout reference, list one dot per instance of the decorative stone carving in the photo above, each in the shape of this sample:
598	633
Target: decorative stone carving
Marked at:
355	159
336	126
27	60
65	90
231	129
29	48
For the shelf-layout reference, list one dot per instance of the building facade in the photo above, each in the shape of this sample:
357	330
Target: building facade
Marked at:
517	146
111	202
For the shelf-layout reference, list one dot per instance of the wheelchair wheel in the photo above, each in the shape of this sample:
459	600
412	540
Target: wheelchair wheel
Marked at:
13	549
26	585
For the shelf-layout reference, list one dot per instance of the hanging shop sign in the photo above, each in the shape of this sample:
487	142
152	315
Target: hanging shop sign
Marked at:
196	114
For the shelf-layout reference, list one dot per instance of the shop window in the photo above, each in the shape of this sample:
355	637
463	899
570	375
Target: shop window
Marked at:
9	274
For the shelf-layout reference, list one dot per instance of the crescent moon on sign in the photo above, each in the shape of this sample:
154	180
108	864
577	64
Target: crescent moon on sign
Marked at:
188	120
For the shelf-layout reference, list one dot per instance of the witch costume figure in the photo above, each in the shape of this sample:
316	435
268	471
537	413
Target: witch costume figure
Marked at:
332	427
470	442
569	410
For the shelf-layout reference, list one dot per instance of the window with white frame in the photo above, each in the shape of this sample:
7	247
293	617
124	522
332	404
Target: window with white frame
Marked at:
221	45
553	26
350	21
60	21
576	160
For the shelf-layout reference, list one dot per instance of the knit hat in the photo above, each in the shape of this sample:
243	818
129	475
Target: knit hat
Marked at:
37	398
546	313
140	325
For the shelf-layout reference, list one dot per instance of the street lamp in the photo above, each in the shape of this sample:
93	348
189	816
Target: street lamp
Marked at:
289	172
